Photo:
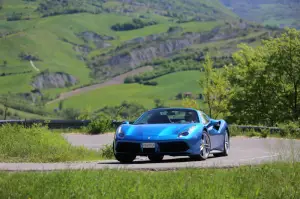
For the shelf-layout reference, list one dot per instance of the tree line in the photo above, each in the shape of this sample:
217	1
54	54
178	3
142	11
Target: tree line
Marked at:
261	86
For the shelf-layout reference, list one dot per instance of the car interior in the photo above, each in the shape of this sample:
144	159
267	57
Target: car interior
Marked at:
173	117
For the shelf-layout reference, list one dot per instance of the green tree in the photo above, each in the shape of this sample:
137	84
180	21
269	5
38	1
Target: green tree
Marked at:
255	88
159	103
284	60
266	81
215	90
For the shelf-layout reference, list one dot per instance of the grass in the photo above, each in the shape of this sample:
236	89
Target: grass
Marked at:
38	144
168	87
277	180
20	114
58	56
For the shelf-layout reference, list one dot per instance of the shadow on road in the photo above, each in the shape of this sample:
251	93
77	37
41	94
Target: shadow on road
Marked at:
173	160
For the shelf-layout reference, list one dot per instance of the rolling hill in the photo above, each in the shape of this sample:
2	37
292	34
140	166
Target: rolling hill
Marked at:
49	47
271	12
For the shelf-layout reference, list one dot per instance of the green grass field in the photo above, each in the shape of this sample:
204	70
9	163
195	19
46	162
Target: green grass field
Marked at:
38	144
269	181
41	37
167	89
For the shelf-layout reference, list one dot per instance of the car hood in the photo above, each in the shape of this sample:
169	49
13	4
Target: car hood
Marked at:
155	131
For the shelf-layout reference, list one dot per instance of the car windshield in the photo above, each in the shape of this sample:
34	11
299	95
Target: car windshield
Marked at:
162	116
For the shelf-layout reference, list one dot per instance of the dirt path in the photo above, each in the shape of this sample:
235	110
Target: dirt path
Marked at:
114	81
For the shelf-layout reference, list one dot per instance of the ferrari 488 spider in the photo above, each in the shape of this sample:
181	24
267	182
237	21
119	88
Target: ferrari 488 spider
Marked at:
174	132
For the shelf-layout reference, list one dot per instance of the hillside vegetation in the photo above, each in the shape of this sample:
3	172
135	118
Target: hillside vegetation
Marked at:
272	12
48	47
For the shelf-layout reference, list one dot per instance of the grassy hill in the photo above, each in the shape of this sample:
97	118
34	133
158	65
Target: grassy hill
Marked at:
49	46
271	12
168	86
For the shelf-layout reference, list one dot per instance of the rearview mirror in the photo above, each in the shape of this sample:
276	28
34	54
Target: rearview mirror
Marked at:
125	122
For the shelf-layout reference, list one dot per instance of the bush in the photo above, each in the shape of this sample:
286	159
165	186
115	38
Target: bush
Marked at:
99	126
289	129
150	83
129	80
107	151
135	24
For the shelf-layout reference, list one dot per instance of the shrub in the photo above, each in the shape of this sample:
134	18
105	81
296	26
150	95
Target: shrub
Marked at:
289	129
135	24
129	80
107	151
264	133
150	83
99	126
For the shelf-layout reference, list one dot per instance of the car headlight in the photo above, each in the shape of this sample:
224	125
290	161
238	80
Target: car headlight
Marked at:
119	132
186	132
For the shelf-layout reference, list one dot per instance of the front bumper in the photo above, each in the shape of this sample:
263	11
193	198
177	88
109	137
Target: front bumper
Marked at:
161	147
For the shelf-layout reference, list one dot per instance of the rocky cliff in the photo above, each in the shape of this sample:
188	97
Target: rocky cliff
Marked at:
46	80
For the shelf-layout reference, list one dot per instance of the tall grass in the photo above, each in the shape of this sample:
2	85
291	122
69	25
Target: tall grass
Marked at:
267	181
38	144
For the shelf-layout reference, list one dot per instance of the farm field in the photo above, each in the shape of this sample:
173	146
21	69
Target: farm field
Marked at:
167	88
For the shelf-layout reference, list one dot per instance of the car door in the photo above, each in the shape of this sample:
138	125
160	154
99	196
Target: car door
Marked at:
212	131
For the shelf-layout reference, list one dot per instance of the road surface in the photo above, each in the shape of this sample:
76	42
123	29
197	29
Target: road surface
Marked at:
244	151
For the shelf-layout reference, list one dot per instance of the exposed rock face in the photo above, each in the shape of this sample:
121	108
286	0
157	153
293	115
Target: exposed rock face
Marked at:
98	40
54	80
142	50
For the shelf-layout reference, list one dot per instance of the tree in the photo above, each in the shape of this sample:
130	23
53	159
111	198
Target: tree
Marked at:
254	88
159	103
266	81
215	90
61	105
190	103
1	4
284	59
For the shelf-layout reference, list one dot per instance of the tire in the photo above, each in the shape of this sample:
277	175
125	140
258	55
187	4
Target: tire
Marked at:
155	158
125	158
205	141
226	147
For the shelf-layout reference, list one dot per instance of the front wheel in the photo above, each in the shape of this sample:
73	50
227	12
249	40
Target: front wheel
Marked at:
204	148
125	158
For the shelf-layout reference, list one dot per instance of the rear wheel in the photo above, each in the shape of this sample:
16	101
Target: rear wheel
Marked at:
155	158
226	146
204	147
125	158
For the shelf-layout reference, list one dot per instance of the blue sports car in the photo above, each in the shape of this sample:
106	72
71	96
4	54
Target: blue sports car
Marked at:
174	132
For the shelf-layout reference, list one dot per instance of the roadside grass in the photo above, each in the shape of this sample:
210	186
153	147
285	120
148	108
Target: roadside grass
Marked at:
39	144
286	133
275	180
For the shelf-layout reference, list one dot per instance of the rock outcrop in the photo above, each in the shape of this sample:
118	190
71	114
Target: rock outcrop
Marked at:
47	80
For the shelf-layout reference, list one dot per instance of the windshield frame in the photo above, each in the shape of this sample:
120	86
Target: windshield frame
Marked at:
196	114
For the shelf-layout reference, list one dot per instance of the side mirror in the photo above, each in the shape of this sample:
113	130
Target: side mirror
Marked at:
125	122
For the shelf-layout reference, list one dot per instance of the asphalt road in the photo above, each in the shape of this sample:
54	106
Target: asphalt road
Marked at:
244	151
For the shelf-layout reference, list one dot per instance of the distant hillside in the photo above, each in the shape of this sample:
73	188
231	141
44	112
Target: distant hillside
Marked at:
48	47
272	12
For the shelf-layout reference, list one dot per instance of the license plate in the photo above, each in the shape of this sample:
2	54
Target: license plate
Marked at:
148	145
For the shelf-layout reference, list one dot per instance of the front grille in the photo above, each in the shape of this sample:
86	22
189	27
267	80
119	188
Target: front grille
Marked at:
128	147
173	147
